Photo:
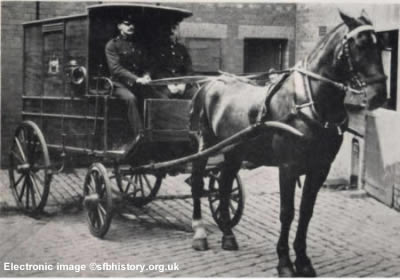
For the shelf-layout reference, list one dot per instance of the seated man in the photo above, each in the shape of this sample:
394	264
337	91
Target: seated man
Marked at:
170	59
126	60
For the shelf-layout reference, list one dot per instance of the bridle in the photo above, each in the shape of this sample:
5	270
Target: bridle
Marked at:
356	79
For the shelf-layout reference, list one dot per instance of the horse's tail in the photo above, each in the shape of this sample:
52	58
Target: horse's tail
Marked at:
197	109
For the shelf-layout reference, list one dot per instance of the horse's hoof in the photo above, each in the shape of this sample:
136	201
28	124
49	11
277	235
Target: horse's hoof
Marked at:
229	243
200	244
286	271
305	270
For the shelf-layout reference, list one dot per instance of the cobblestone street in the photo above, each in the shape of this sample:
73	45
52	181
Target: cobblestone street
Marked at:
351	234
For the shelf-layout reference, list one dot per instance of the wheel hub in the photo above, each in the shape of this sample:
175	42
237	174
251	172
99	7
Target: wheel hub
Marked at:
23	168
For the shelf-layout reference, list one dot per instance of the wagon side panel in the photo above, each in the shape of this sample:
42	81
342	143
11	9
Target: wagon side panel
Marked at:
33	60
62	112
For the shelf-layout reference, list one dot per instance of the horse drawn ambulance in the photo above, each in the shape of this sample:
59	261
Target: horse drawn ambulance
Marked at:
69	111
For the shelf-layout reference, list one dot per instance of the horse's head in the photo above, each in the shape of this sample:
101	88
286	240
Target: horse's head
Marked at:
359	57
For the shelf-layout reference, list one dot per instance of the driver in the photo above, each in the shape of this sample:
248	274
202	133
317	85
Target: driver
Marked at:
126	62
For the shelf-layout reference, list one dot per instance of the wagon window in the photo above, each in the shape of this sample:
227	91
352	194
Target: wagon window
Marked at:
205	54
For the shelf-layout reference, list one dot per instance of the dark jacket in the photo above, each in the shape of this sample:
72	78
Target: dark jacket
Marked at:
170	59
126	61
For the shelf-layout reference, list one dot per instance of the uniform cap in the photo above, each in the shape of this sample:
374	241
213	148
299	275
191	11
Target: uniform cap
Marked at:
127	19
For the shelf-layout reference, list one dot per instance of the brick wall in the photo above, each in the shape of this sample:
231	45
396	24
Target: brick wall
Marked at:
237	16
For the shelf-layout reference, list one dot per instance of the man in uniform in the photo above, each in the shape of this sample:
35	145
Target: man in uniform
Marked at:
126	61
171	59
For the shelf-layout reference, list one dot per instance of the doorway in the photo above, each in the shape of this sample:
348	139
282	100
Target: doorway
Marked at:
390	40
260	55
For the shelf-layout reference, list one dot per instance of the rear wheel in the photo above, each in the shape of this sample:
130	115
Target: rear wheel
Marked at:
139	189
29	170
236	200
97	198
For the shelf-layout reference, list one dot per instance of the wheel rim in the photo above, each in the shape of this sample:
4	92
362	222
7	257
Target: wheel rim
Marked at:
139	189
29	170
236	201
97	185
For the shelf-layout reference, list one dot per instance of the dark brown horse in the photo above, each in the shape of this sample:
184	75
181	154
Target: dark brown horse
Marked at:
311	100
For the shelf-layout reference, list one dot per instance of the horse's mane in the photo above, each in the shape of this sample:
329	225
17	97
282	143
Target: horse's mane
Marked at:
323	42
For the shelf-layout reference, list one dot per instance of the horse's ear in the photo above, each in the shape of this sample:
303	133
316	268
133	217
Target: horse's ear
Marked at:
365	17
348	20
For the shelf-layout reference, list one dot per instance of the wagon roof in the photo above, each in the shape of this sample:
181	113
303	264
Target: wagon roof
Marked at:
147	9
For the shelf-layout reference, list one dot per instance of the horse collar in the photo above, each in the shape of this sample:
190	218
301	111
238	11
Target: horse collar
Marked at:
302	85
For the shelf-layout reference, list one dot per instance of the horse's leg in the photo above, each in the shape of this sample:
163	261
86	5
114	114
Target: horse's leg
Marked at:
287	182
200	235
314	180
198	167
228	173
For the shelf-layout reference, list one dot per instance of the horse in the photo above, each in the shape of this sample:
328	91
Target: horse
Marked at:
310	98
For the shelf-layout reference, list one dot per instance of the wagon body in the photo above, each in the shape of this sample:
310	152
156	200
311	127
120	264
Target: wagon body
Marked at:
83	118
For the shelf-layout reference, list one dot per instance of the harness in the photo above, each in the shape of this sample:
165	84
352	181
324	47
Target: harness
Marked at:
302	78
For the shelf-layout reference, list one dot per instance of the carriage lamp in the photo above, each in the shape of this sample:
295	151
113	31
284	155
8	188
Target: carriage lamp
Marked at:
76	72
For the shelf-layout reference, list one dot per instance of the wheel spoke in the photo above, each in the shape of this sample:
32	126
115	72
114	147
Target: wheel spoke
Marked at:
32	194
20	149
149	186
135	186
141	186
27	194
35	185
100	215
234	190
18	181
101	208
38	178
22	191
214	196
232	207
129	184
17	157
235	198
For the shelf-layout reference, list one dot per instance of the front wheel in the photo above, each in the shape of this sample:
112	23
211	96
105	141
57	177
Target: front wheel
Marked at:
29	168
97	199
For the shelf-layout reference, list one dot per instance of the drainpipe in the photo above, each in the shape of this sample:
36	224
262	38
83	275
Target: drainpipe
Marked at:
37	10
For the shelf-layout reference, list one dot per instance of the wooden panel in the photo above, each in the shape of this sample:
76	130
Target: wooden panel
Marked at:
31	106
33	74
76	36
33	39
69	106
164	135
205	54
167	114
33	60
